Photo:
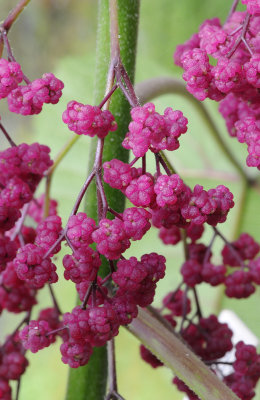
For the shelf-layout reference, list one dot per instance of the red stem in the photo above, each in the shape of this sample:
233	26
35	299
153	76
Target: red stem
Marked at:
14	13
6	134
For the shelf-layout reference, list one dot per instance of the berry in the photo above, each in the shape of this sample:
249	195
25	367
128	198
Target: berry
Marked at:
136	222
252	70
82	266
209	339
15	194
80	228
253	6
129	274
75	353
167	189
177	302
111	238
184	388
141	191
246	248
32	267
117	174
171	235
48	232
125	307
103	324
227	75
191	272
197	72
88	120
10	76
150	130
148	357
239	285
8	250
34	336
213	274
8	217
5	390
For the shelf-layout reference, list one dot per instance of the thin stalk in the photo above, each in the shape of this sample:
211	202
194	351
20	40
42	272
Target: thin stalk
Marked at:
54	300
241	38
8	137
232	9
14	14
112	382
18	387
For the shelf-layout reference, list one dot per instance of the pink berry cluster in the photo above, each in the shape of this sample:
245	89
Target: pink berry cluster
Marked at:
13	364
13	361
252	6
239	271
150	130
27	99
88	120
24	267
234	81
102	311
210	340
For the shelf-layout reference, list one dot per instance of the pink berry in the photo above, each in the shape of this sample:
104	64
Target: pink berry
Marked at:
34	336
88	120
10	76
111	238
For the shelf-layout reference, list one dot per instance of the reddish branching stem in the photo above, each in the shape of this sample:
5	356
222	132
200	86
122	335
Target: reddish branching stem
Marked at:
54	300
14	14
241	37
6	134
232	9
231	248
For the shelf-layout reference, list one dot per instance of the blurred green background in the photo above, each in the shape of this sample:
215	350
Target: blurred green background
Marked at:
59	36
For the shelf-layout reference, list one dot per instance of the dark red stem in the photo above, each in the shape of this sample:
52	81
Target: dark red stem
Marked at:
6	134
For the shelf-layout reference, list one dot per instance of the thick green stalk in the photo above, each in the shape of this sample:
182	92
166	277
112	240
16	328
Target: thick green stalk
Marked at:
128	20
160	338
89	382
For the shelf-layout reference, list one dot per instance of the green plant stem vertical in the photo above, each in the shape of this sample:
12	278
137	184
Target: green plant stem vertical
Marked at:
89	382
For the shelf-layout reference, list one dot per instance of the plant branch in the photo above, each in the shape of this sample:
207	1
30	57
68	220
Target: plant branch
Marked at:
8	137
14	14
232	9
171	350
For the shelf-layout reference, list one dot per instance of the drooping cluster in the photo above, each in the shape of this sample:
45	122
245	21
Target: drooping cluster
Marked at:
150	130
27	99
88	120
234	80
10	77
13	364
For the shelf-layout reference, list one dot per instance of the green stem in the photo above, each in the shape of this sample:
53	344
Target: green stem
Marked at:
166	345
89	382
155	87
